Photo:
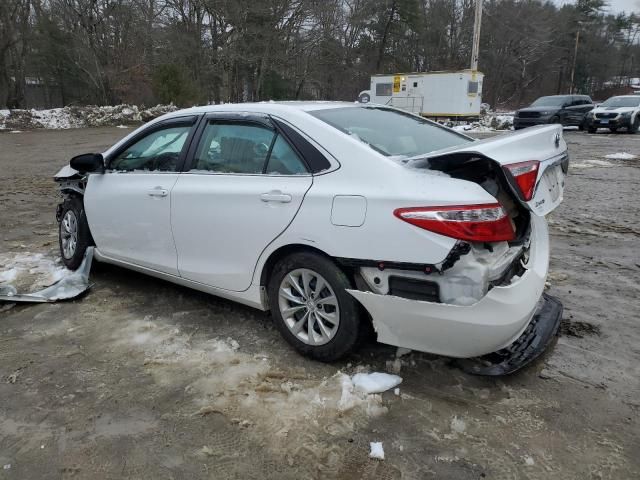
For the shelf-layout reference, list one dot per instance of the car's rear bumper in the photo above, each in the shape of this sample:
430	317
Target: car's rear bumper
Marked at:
490	324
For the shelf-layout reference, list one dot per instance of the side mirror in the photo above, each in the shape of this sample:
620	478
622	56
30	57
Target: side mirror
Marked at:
88	163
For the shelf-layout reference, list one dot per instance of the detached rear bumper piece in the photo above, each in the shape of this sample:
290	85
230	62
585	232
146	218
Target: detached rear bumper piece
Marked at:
489	325
540	332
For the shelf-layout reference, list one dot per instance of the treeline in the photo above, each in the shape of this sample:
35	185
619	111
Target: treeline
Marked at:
198	51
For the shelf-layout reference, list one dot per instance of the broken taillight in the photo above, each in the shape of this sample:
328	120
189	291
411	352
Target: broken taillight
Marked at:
525	174
474	223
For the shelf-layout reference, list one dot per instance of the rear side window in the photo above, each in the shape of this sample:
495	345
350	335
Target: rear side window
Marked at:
236	147
233	148
283	160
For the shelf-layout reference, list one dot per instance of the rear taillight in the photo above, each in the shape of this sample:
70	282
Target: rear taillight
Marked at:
474	223
525	174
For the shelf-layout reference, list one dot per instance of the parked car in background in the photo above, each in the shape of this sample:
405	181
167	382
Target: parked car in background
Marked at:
331	215
568	110
617	112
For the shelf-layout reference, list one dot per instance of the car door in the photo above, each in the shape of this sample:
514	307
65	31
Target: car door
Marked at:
575	111
242	187
128	207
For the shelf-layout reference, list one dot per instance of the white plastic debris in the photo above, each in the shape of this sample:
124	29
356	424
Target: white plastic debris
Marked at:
528	460
377	451
396	391
375	382
7	466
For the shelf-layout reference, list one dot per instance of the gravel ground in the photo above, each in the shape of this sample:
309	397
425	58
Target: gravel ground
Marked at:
144	379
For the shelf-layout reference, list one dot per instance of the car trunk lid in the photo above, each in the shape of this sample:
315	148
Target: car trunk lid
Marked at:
544	144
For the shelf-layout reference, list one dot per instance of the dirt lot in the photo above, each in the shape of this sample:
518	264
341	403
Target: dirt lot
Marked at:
144	379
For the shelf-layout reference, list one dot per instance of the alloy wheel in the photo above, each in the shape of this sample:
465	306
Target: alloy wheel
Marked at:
309	306
69	234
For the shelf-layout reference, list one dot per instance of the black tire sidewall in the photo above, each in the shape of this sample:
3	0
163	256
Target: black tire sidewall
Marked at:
349	328
76	205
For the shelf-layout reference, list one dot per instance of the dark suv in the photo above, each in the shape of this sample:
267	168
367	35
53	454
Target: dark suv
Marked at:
565	109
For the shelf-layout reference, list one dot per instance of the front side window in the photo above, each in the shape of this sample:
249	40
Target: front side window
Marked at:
391	132
158	151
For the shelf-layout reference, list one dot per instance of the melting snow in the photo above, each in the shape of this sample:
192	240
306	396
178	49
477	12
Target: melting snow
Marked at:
46	271
376	450
375	382
621	156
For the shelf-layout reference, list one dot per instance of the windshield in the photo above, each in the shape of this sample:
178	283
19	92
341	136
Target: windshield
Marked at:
550	102
391	132
621	102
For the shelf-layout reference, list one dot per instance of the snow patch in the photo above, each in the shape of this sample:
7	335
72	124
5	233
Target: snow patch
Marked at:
621	156
80	117
377	451
375	382
34	271
458	425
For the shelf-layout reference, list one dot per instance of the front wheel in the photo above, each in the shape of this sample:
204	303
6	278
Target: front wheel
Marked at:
73	232
312	308
633	128
555	119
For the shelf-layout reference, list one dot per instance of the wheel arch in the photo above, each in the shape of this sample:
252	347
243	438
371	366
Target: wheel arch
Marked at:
283	251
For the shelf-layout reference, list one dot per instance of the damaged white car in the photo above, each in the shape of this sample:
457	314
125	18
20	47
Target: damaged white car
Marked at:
331	215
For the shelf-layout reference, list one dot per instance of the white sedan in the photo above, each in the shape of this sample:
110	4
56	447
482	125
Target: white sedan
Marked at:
331	215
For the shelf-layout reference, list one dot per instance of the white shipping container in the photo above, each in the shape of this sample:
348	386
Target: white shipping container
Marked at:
430	94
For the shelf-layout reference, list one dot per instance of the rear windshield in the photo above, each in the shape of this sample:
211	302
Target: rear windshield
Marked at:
621	102
390	132
550	101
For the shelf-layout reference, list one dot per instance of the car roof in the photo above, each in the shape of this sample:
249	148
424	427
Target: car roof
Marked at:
264	107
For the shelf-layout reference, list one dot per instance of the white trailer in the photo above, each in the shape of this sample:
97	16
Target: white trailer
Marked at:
439	95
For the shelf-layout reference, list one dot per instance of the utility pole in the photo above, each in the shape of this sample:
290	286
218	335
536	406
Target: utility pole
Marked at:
575	58
475	52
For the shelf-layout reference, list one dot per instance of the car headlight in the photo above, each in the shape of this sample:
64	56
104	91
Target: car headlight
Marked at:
625	114
546	113
590	114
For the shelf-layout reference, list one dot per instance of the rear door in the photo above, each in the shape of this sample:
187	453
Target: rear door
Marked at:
129	206
242	186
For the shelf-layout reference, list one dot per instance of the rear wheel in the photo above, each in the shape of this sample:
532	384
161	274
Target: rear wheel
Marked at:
311	307
73	232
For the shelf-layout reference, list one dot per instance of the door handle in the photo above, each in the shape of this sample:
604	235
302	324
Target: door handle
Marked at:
275	196
158	192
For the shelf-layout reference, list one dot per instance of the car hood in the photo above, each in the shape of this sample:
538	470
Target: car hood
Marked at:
613	109
539	109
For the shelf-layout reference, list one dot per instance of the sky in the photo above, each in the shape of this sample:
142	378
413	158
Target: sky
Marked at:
615	6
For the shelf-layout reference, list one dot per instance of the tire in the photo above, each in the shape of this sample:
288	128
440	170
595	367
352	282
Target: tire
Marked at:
73	232
592	130
338	330
613	129
633	128
555	119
